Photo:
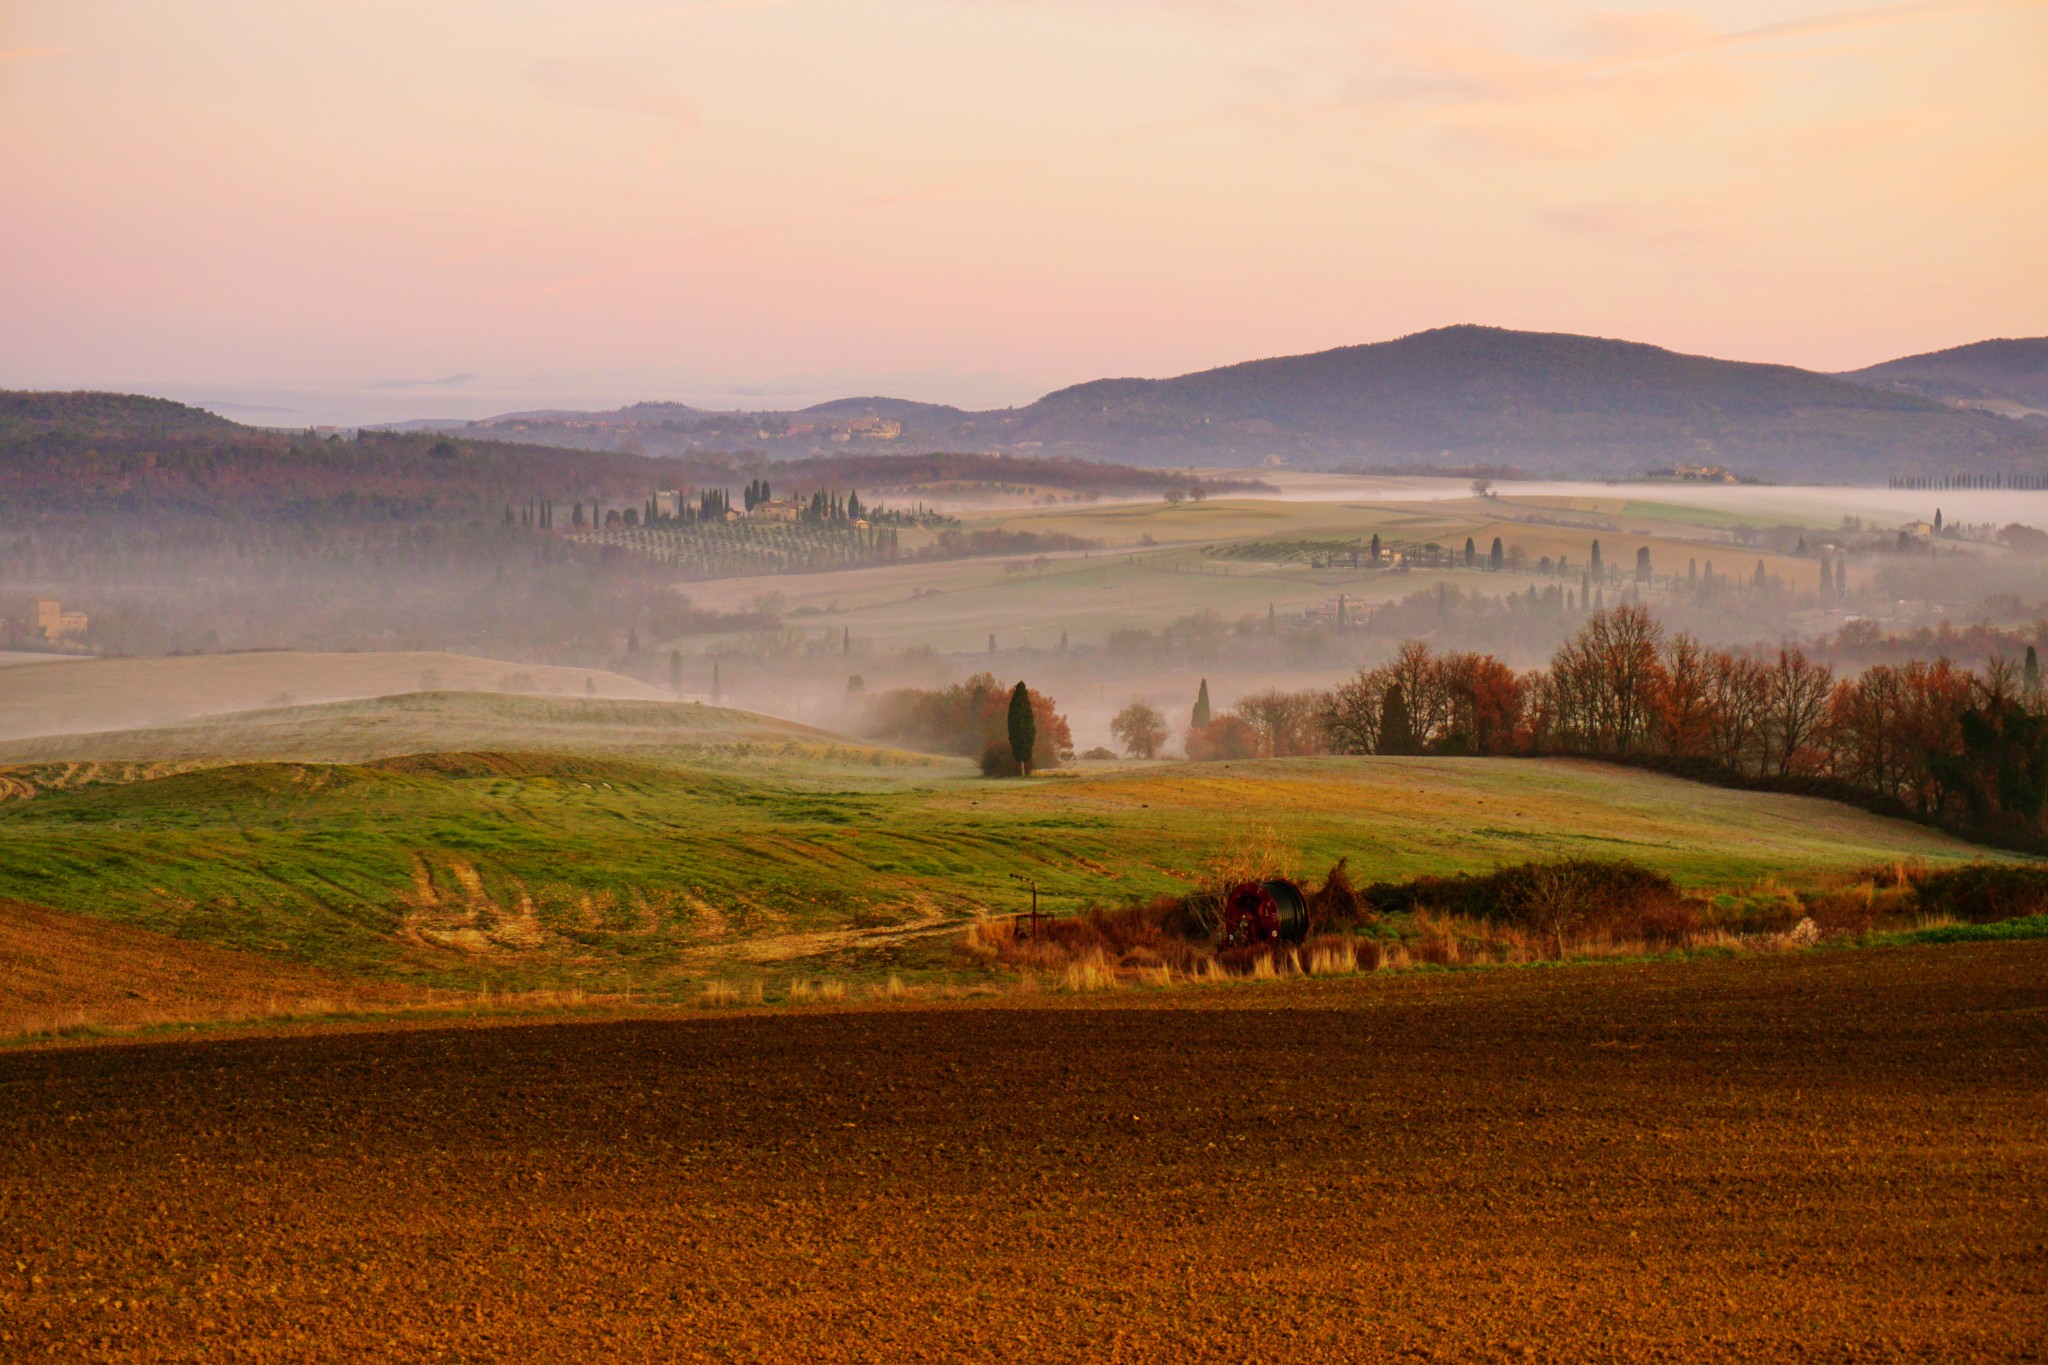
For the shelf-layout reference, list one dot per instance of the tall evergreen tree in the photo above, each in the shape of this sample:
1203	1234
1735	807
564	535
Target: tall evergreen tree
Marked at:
1596	559
1200	719
1023	727
1397	731
1471	552
1498	558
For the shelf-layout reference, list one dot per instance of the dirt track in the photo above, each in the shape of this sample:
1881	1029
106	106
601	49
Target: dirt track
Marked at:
1828	1156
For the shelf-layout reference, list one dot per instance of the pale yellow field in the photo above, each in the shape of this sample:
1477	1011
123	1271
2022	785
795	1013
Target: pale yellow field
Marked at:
955	606
124	694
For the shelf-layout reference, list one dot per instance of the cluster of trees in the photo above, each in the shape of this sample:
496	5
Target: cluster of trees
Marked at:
979	718
1946	744
830	508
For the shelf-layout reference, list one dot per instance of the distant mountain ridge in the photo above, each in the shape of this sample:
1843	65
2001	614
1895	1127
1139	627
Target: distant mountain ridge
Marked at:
1547	403
2009	372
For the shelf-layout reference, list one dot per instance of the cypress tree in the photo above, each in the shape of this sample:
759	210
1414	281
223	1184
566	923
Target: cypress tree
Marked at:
1596	559
1023	728
1471	552
1200	719
1757	579
1375	547
1397	731
1499	556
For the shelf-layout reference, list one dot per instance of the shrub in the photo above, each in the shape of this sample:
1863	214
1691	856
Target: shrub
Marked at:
1335	904
1228	736
998	761
1983	893
1562	898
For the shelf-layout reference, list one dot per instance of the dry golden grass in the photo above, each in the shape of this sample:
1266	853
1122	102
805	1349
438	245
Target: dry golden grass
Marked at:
66	974
1092	973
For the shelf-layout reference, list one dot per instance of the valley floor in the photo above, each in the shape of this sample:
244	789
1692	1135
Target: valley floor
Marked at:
1824	1155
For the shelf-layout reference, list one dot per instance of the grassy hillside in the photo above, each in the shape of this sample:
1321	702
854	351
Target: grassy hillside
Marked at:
525	869
86	695
421	722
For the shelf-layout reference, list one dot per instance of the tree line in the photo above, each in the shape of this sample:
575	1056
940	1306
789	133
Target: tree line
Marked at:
1963	748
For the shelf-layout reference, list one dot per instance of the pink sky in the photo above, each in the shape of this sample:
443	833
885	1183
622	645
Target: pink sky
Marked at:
373	208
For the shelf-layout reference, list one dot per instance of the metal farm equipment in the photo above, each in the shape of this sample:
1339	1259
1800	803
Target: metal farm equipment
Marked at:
1257	914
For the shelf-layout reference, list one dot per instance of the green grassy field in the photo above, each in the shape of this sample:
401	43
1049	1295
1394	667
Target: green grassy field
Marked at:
609	872
428	722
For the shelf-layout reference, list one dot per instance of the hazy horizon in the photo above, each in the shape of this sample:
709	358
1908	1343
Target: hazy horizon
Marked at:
354	211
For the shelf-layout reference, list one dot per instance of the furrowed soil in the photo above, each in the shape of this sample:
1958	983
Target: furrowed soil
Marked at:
1835	1156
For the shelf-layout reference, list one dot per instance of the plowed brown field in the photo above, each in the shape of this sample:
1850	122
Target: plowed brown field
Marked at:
1827	1156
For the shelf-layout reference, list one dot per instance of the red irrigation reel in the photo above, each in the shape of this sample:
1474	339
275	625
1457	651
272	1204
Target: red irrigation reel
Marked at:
1264	913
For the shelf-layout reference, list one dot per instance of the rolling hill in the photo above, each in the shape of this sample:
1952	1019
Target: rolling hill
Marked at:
608	871
2008	376
1454	397
1550	403
89	695
359	731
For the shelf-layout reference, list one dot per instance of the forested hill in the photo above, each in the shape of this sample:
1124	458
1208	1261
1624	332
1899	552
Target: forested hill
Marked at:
1548	402
2010	371
103	453
1453	398
102	418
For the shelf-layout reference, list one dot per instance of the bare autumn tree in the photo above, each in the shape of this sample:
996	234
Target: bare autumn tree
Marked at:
1285	722
1350	716
1739	690
1685	716
1864	721
1425	690
1605	682
1798	712
1140	728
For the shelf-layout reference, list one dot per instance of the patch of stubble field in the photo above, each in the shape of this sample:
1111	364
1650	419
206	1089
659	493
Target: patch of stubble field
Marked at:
1839	1155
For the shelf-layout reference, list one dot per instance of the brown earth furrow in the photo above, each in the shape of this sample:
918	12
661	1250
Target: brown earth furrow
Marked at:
1829	1156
